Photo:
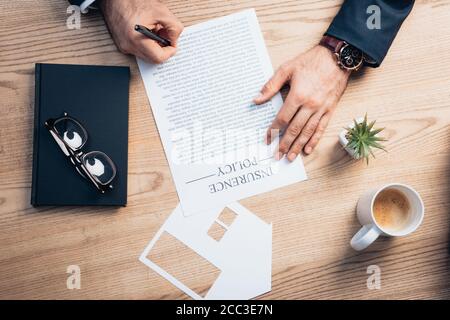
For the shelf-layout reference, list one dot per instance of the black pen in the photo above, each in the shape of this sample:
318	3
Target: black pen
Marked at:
152	35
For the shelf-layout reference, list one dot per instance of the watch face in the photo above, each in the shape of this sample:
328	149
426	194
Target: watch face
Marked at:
350	57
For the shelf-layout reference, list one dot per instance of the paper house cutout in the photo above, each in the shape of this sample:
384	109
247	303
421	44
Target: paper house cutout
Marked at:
243	254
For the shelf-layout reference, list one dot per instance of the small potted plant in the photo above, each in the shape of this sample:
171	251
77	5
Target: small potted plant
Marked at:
359	138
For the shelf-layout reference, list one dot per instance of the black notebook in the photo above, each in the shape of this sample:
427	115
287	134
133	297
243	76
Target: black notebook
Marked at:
96	96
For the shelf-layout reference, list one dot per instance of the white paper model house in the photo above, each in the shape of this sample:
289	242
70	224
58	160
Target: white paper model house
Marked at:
243	254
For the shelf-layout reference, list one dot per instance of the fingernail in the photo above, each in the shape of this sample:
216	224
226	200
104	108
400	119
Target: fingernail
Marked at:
267	140
308	150
292	156
278	156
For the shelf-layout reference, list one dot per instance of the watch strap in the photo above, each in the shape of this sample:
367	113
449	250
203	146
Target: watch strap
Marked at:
332	43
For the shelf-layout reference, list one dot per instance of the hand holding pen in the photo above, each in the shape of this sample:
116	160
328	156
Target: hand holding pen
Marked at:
154	39
152	35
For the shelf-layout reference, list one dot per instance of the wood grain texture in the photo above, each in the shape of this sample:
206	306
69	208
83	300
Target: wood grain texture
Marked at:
313	221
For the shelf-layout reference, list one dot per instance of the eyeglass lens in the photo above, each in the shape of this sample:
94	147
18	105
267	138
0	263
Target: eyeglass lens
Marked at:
71	132
100	166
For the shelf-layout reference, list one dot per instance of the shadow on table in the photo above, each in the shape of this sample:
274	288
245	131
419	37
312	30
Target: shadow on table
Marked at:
383	252
357	263
66	210
447	212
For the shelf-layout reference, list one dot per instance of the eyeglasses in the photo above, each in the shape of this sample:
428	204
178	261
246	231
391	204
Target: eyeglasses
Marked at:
71	136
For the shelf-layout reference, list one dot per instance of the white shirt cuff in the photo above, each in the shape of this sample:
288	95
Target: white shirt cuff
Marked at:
84	6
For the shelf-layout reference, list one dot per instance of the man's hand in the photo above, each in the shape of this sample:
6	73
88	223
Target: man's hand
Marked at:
316	85
121	16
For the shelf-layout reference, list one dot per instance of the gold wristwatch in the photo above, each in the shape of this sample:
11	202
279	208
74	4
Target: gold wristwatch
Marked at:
348	56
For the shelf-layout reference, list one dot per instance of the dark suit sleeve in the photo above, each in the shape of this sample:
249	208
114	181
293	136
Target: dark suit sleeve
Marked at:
350	24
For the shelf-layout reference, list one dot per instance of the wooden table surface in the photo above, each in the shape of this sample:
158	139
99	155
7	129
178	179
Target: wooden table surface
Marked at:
313	221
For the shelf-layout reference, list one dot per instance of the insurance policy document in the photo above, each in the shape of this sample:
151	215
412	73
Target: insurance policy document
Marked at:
212	132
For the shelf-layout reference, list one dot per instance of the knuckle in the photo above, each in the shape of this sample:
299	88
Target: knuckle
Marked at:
296	148
308	131
158	58
320	130
299	95
282	120
283	147
265	87
302	141
314	103
313	142
293	129
268	86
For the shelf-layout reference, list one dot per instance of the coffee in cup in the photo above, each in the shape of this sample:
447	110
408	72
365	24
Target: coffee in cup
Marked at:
391	209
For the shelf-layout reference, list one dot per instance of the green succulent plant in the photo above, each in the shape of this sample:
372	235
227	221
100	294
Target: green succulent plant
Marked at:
363	137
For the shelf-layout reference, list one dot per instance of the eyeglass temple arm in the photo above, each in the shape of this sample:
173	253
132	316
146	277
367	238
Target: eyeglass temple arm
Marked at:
89	176
59	141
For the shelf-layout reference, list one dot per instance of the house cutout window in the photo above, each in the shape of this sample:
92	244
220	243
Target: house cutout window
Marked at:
216	231
221	224
227	216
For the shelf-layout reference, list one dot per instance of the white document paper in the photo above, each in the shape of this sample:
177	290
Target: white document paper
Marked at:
212	132
245	262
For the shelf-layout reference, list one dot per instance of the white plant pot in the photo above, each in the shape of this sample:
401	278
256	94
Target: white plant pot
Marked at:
344	141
